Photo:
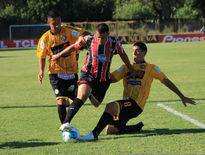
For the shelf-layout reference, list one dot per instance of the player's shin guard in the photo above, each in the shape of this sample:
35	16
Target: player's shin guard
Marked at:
73	109
61	112
105	119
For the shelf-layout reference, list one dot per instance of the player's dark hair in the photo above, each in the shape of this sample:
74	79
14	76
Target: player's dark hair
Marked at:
141	45
102	28
53	14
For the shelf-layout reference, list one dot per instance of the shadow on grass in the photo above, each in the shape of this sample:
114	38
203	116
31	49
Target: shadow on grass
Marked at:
17	144
1	57
37	106
29	143
89	104
40	106
156	132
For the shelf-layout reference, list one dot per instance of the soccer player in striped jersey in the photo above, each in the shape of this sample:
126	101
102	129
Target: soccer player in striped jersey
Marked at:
135	94
63	72
95	75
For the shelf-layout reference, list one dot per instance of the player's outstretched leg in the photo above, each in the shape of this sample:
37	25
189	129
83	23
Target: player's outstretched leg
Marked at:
73	109
89	137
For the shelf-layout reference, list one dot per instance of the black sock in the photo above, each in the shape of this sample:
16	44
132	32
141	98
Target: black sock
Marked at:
105	119
133	128
73	109
61	112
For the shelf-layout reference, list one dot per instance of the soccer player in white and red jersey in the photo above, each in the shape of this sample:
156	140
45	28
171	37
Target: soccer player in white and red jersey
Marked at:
95	75
135	94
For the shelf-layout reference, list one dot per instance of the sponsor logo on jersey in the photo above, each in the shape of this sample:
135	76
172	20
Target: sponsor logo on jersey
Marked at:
42	45
102	58
134	83
142	67
75	33
63	38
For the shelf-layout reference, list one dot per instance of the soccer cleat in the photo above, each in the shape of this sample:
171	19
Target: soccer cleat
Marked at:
88	137
133	128
65	127
139	126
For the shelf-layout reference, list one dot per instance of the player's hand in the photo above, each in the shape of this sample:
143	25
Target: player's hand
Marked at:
187	100
55	57
40	77
81	41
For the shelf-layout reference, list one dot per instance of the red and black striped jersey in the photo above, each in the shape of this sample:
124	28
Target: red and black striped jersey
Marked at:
99	57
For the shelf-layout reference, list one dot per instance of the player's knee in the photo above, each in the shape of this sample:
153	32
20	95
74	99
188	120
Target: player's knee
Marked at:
111	130
96	104
61	101
94	101
111	108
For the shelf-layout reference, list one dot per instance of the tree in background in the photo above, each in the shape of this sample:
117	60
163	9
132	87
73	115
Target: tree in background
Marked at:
34	11
86	10
188	10
199	6
133	9
25	11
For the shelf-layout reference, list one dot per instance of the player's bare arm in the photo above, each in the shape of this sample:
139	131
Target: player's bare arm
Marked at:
80	43
42	63
172	87
64	52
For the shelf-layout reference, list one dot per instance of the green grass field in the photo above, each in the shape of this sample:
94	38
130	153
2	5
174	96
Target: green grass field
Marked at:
29	121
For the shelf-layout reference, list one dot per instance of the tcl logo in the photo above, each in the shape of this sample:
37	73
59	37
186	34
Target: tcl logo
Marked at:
172	38
18	43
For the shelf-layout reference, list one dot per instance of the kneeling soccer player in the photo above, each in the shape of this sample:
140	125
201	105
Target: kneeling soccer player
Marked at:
135	94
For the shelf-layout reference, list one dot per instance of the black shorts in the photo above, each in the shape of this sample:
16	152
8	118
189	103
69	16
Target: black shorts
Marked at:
64	86
99	89
128	109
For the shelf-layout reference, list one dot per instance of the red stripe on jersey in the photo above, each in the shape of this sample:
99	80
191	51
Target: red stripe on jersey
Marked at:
94	47
85	63
105	65
120	49
95	58
84	82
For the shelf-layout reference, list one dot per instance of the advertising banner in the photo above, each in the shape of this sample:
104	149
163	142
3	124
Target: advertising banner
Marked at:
123	39
181	38
143	38
18	43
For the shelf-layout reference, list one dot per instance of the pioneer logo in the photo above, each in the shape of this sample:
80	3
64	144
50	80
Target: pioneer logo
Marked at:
182	38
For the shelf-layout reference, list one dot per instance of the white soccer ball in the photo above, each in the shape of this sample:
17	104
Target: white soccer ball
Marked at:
71	136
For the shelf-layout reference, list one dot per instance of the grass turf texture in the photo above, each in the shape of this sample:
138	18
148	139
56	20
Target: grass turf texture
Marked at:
29	119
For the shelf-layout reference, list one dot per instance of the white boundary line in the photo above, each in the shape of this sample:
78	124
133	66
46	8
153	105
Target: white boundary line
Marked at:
174	102
195	122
